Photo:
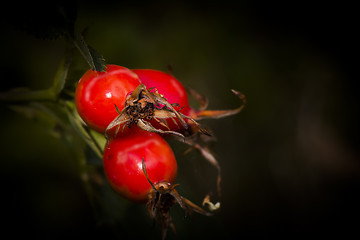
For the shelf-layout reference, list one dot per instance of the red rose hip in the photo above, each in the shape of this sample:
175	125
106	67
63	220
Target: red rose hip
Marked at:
97	93
170	87
123	163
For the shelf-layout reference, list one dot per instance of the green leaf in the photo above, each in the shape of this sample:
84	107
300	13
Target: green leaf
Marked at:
62	73
93	140
94	59
50	94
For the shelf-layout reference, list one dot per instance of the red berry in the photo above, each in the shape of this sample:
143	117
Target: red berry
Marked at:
171	88
97	93
123	163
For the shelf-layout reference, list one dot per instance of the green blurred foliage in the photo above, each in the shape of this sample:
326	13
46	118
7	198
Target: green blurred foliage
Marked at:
290	160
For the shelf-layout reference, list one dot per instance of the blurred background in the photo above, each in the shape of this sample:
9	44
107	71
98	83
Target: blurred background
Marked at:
290	160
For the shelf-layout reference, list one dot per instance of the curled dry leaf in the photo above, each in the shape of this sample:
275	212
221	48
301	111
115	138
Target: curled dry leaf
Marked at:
161	197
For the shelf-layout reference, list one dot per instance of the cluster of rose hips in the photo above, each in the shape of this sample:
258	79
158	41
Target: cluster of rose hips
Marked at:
135	109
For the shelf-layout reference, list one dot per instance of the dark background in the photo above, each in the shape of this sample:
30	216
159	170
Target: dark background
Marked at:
290	160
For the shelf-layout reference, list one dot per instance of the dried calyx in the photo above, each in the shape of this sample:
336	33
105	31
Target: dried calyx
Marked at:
144	105
204	113
162	196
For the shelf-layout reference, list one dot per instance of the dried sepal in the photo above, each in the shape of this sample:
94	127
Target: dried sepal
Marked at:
161	197
148	127
120	120
145	173
209	156
202	113
192	207
195	126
